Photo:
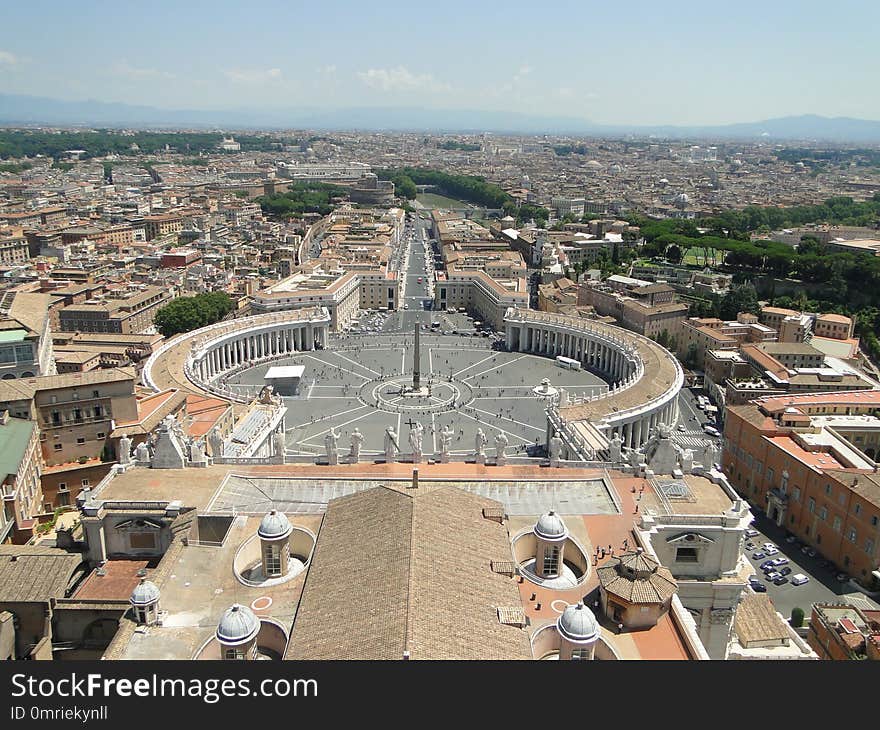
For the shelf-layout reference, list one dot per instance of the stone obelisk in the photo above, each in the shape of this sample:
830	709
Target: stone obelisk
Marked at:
416	358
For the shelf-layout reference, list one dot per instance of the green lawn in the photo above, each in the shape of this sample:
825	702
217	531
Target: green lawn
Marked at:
430	200
694	256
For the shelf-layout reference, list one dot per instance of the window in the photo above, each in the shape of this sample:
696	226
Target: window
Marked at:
80	439
95	394
874	520
63	499
99	411
811	505
851	535
769	474
100	435
580	654
828	489
235	653
551	560
869	546
85	482
687	555
841	498
835	525
62	486
823	513
857	509
796	494
272	560
57	447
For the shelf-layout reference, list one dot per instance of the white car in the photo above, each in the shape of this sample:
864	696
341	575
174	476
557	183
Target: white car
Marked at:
799	579
712	431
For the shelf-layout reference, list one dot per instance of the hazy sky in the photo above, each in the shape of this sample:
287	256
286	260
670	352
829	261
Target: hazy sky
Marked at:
676	62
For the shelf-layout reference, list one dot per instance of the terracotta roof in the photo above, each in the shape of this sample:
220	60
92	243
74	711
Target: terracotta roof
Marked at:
30	574
756	621
397	571
637	578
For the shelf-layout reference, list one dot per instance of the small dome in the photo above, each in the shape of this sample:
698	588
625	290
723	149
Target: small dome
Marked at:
275	525
238	625
144	593
550	526
578	624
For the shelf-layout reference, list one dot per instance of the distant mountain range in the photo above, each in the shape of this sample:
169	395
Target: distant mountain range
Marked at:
20	109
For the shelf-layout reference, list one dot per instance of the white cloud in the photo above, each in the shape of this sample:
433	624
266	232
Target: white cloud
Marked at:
331	69
123	68
254	76
400	79
8	58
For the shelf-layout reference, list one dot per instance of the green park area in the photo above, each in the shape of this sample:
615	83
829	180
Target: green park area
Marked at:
432	200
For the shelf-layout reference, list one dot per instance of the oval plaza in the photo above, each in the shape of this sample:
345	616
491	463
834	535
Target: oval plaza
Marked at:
627	385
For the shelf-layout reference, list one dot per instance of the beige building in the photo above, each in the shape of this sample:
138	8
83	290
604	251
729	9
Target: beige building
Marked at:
20	470
641	306
25	337
128	314
75	414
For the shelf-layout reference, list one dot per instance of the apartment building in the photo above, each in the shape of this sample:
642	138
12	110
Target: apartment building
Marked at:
165	224
808	462
13	247
25	336
125	313
558	296
843	632
20	471
638	305
75	414
477	292
699	335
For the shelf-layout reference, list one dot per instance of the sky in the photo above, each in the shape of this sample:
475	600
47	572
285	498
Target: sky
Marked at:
673	62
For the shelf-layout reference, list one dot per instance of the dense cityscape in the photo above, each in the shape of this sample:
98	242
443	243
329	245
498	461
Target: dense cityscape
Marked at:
619	394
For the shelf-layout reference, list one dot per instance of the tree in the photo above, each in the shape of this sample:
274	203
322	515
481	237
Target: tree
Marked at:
189	313
673	254
741	298
690	357
797	617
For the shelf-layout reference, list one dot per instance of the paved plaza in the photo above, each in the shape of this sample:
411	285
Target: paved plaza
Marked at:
360	381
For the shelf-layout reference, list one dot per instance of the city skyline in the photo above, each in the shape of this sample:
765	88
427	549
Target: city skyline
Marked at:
634	66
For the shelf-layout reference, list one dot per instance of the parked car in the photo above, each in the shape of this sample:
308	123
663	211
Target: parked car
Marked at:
790	539
758	555
780	561
780	580
751	533
799	579
842	577
758	587
773	575
767	563
771	551
711	431
768	545
750	545
682	427
785	571
812	553
805	549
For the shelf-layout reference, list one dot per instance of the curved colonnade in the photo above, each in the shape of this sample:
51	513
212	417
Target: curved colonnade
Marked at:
199	361
644	378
